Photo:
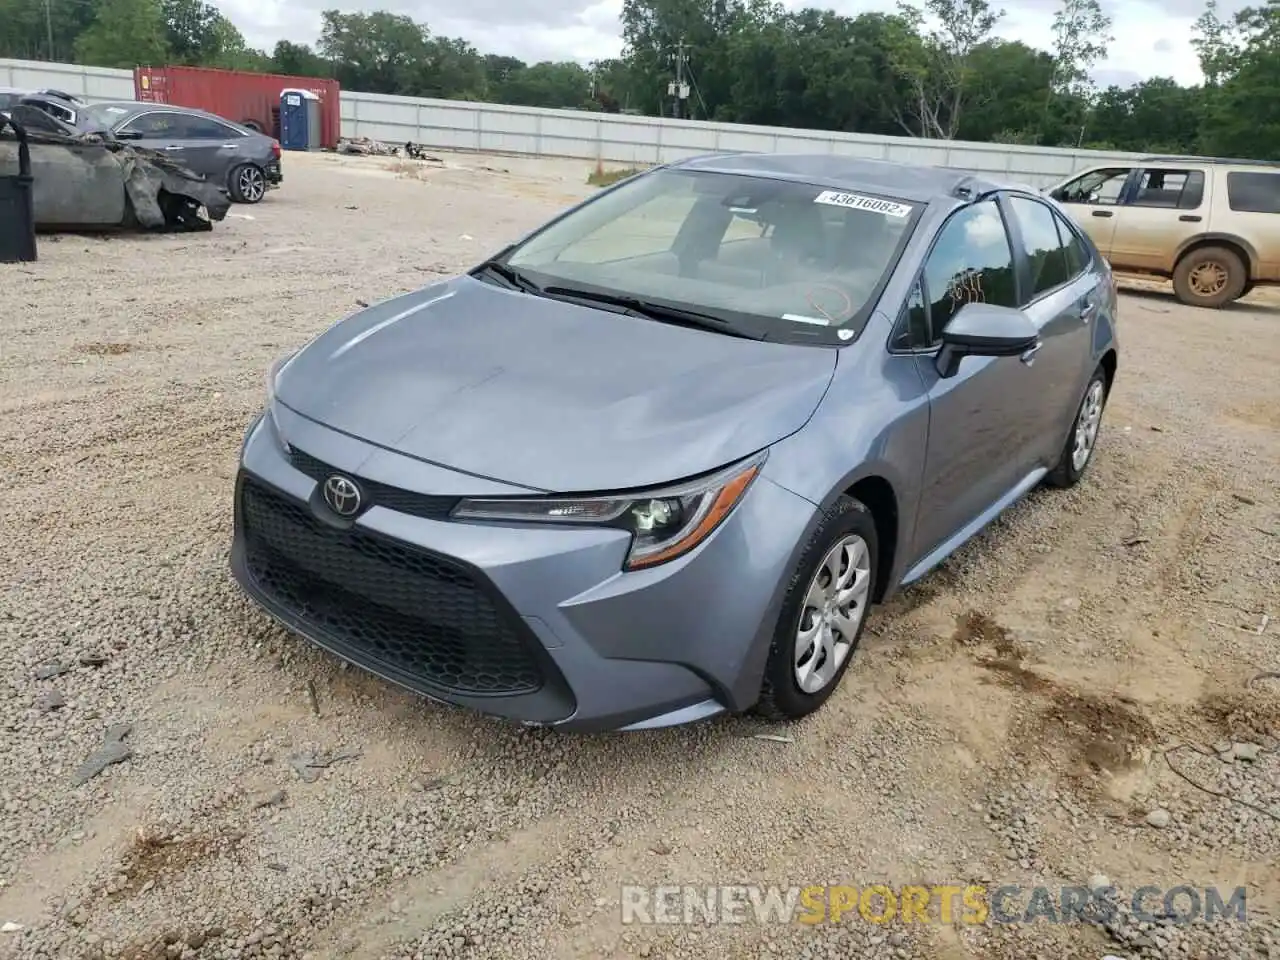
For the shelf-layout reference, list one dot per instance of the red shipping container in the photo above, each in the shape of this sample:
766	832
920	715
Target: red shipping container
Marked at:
250	99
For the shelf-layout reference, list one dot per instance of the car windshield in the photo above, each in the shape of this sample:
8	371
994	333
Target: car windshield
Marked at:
103	114
782	259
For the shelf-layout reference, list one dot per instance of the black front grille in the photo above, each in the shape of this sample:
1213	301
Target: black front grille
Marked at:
421	618
428	506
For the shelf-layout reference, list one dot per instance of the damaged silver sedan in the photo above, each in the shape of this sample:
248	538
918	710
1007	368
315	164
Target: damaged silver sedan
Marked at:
82	182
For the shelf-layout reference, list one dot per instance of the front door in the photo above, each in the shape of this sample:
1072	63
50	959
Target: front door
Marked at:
983	422
1092	198
159	130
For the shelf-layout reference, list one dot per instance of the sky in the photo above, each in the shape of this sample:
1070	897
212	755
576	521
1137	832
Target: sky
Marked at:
1156	34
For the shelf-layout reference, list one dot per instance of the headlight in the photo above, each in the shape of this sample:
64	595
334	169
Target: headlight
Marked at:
664	523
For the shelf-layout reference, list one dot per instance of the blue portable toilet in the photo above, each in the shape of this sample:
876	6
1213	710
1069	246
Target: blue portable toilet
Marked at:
299	120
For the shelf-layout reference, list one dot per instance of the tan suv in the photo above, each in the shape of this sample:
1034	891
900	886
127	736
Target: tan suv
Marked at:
1212	226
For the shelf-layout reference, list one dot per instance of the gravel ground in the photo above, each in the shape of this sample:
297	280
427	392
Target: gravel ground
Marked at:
1068	701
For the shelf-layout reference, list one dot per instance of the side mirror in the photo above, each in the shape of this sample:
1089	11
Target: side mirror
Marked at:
985	330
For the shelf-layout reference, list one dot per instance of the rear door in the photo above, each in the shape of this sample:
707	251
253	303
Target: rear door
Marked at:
1091	199
1164	207
210	146
1059	294
1252	212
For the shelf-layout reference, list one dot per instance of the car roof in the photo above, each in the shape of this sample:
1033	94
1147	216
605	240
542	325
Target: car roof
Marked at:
912	182
141	106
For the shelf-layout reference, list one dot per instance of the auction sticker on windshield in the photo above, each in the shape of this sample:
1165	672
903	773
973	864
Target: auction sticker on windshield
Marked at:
858	202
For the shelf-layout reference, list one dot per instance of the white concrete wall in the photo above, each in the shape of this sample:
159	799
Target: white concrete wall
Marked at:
461	125
91	83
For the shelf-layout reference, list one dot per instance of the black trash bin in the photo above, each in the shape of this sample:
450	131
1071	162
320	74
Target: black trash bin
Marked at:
17	207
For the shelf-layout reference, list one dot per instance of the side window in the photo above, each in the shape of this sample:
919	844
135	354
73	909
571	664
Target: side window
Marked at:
1173	189
153	125
1096	187
971	262
1249	192
1078	256
913	327
1042	245
199	128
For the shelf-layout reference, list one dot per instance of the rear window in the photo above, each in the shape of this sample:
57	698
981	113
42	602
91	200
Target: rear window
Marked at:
1254	192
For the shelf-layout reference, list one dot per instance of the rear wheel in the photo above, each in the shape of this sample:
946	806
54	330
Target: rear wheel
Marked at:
1209	277
823	614
247	183
1077	452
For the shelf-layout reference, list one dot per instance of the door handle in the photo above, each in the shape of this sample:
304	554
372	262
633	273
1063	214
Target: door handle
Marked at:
1102	213
1029	356
1190	218
172	147
1088	311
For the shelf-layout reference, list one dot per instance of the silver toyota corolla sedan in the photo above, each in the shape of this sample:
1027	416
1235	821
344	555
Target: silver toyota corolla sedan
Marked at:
655	461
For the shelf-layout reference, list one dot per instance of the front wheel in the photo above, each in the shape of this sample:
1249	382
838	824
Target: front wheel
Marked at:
247	183
1077	453
823	613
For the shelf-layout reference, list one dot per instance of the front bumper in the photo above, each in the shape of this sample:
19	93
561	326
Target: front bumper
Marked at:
532	623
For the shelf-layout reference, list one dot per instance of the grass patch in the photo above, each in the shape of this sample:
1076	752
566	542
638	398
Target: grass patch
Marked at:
604	178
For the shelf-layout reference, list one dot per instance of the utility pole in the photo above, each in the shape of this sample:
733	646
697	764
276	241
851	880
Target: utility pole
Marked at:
679	90
48	25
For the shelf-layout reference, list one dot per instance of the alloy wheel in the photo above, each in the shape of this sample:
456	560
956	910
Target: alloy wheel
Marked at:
252	184
1208	278
1087	426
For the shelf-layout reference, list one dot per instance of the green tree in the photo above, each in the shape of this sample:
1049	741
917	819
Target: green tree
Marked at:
936	65
299	60
124	33
1007	85
1241	116
1215	44
377	52
1081	35
25	27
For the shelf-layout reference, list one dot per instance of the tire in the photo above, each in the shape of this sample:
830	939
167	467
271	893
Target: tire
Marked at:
1209	277
1071	468
845	525
247	183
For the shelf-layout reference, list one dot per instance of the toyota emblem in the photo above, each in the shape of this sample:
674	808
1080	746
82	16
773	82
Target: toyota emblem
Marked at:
342	496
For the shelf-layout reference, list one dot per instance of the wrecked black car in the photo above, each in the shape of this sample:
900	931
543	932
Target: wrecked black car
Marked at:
83	182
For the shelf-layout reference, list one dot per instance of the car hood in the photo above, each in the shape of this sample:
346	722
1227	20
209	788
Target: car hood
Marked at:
547	394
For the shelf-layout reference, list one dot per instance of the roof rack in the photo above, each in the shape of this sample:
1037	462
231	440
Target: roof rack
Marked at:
1234	161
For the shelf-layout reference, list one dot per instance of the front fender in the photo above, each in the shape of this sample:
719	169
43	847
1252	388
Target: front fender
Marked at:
873	422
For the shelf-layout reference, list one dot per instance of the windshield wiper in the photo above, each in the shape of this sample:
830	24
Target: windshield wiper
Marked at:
511	275
654	311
